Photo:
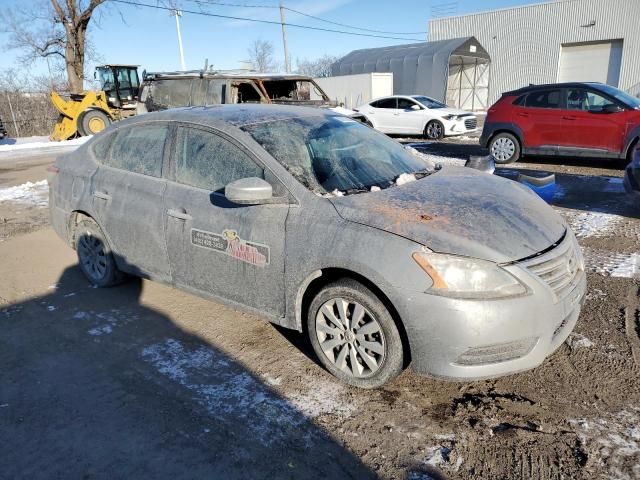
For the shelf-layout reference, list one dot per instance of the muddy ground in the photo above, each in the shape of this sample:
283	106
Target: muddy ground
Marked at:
144	381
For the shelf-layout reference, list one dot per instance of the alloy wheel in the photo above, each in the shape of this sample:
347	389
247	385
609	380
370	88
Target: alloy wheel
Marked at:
350	337
92	255
434	130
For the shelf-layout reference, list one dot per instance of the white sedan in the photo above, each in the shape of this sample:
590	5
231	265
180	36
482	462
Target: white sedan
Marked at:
417	114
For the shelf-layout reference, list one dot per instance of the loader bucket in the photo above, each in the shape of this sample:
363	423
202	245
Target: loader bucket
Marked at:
71	112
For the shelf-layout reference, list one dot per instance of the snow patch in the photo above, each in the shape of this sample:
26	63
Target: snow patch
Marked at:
624	265
42	143
593	224
230	393
575	341
405	178
29	193
107	321
613	442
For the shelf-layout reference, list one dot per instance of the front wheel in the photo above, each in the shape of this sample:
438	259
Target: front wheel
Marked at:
354	336
434	130
505	148
93	121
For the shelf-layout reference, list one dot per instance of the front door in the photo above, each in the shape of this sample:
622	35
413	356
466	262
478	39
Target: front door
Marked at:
127	191
588	126
231	251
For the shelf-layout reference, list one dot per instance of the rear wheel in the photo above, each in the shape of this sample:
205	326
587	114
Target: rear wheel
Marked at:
434	130
505	148
354	336
93	121
95	256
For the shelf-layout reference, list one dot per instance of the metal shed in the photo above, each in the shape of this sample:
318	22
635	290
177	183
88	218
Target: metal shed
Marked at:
454	71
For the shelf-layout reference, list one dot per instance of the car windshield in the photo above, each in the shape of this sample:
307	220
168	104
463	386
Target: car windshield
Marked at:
428	102
621	96
335	153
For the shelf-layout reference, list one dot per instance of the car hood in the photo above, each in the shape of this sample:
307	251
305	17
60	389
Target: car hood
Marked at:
451	111
460	211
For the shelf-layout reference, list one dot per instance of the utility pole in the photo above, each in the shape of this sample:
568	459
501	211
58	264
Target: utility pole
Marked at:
178	14
287	66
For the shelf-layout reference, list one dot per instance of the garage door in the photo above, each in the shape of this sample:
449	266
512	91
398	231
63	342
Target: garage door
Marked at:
591	62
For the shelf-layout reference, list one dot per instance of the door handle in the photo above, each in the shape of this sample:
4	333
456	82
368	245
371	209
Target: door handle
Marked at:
179	213
101	195
523	114
569	118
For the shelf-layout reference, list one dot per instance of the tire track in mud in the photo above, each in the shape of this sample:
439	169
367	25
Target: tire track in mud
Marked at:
632	321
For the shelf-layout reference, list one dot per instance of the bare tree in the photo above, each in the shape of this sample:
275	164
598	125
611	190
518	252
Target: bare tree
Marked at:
261	56
320	67
57	32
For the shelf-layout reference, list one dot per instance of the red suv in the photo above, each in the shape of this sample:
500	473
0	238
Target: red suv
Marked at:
568	119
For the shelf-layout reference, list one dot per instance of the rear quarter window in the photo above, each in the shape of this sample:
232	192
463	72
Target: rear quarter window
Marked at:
139	149
101	146
544	99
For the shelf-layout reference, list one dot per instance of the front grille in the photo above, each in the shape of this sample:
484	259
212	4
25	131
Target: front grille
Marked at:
471	123
558	267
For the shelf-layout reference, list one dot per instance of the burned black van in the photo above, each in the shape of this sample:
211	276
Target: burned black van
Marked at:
160	91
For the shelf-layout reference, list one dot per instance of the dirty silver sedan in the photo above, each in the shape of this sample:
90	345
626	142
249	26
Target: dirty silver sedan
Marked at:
323	225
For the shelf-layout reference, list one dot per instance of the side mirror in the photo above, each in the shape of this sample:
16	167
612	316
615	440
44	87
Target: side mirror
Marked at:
415	107
611	108
249	191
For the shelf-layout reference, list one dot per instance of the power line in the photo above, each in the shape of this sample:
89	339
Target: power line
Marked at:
270	22
214	3
352	26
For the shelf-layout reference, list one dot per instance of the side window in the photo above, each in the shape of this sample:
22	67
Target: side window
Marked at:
139	149
520	101
101	146
208	161
586	100
386	103
544	99
405	103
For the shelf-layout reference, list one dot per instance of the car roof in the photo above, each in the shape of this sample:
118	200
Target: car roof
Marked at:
544	86
233	114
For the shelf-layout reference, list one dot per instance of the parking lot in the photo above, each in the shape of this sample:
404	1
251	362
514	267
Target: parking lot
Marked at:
145	380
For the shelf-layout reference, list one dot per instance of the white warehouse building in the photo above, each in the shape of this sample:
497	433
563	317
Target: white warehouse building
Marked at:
559	41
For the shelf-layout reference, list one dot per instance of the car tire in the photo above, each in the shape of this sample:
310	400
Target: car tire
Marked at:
434	130
505	148
93	121
373	344
95	256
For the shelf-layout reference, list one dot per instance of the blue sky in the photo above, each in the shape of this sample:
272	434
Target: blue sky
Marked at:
148	36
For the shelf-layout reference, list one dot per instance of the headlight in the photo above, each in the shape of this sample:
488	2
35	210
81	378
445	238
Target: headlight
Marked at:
449	117
463	277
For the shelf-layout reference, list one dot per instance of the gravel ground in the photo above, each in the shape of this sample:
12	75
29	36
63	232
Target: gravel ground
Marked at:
144	380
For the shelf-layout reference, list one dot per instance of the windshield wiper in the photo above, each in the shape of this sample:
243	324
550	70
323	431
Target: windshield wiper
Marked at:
423	173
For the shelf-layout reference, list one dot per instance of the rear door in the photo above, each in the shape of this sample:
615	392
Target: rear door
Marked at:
540	119
382	114
231	251
588	126
127	191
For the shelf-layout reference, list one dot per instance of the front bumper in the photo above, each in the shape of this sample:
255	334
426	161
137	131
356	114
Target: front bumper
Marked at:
475	339
462	126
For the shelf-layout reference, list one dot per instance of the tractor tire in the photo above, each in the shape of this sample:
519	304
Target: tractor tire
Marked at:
92	122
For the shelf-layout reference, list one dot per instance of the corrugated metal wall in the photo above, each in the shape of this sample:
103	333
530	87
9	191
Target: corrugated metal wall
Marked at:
525	42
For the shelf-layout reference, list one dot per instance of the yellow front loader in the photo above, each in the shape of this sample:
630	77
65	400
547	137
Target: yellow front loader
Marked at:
90	112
